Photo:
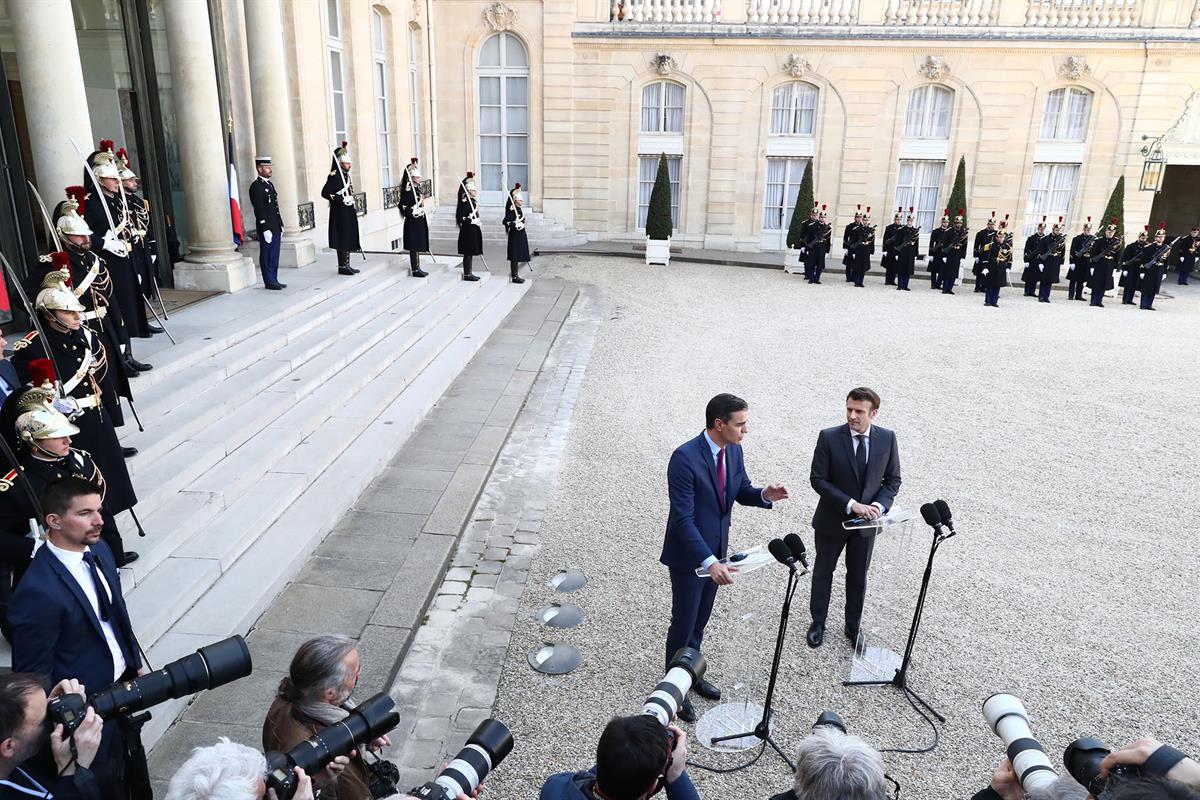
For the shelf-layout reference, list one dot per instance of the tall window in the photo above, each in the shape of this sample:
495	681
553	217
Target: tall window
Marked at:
382	105
337	85
414	90
1051	191
794	110
503	114
1066	117
647	172
662	107
918	186
783	183
928	114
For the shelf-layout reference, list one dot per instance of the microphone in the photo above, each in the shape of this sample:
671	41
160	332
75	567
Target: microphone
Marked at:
782	554
929	512
944	511
796	545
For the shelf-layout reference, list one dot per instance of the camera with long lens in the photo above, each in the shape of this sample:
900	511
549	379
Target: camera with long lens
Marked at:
1006	716
1082	759
365	723
484	750
209	667
686	668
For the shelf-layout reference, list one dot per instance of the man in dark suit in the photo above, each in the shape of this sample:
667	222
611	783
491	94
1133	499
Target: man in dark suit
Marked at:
265	201
9	380
705	476
69	619
856	472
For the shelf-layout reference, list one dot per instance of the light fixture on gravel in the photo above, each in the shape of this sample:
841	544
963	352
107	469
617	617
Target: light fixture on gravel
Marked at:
560	615
568	580
555	659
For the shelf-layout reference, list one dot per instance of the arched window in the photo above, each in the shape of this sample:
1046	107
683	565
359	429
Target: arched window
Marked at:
383	103
794	110
503	115
1066	117
662	107
928	114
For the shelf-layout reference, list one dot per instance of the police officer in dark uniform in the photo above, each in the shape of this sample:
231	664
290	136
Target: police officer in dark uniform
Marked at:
518	240
1054	252
954	245
267	221
888	260
1131	266
1081	257
116	244
816	246
983	238
470	235
1032	256
416	225
1105	253
848	236
343	218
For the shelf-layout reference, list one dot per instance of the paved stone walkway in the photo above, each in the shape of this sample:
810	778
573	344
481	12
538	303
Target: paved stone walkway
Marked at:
374	576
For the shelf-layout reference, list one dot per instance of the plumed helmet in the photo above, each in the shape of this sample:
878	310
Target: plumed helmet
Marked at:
414	170
70	223
44	423
469	183
123	165
105	166
56	294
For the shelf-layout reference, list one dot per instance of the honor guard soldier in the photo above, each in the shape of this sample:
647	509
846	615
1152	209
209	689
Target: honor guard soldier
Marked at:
267	221
1105	252
470	234
1154	259
802	243
816	246
343	218
937	256
112	223
848	236
143	248
1081	259
904	248
955	250
888	261
1032	256
983	238
1131	266
1054	252
416	225
1188	247
518	240
997	260
75	356
862	247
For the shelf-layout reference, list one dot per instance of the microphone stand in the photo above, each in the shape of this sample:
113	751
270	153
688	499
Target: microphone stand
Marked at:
763	729
900	679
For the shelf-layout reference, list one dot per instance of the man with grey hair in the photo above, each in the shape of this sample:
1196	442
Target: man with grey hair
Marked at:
228	771
833	764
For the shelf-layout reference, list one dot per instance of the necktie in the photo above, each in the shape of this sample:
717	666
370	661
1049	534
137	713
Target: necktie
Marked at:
101	594
721	477
860	457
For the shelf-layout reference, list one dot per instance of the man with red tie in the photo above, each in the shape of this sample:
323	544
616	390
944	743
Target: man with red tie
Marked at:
705	477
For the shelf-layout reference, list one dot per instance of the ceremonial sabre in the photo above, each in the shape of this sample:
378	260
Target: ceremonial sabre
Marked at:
33	318
51	231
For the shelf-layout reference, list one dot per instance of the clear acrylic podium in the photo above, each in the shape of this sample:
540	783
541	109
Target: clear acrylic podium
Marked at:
744	561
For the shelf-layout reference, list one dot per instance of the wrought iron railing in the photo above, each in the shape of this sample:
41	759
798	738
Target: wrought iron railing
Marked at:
360	203
308	216
391	196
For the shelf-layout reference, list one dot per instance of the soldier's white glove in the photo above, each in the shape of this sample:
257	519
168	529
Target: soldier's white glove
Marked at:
268	237
347	199
1124	273
1041	267
985	272
114	245
475	221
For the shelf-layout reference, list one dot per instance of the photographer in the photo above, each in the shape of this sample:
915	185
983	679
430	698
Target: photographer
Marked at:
321	678
634	760
1155	758
23	733
1006	785
228	771
831	763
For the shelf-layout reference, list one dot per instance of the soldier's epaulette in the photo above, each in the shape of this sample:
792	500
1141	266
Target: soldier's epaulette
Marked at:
8	481
24	341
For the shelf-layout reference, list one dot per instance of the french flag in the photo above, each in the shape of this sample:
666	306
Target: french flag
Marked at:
235	208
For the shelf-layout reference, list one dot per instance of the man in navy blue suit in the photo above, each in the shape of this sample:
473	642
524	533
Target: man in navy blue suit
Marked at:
856	472
68	617
704	478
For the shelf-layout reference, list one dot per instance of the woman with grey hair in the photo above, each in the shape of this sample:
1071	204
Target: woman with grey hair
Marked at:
833	764
314	695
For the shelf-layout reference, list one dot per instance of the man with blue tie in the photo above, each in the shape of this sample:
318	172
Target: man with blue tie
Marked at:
856	472
705	476
69	619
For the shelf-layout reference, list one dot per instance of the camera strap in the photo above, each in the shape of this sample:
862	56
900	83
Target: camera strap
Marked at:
37	791
1163	760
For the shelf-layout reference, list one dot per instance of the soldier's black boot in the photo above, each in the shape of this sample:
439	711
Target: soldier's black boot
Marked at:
414	265
344	267
512	272
468	275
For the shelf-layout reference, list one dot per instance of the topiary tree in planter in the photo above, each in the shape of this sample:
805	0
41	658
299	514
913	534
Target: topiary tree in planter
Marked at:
1115	208
658	215
958	194
804	205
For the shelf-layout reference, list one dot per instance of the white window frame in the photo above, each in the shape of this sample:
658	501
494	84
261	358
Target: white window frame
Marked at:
660	108
676	187
414	89
788	116
335	63
777	217
383	104
505	74
1059	124
927	119
1050	195
921	190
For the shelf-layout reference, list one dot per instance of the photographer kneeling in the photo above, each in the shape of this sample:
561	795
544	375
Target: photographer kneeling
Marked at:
23	735
831	763
634	760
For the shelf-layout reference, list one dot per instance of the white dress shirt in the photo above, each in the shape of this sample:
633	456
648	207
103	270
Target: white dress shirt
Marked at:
73	561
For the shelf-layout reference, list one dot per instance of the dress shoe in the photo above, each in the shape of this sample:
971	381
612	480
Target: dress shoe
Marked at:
346	271
129	557
355	270
517	279
470	276
418	273
687	713
851	634
815	635
129	452
136	365
273	287
707	690
153	329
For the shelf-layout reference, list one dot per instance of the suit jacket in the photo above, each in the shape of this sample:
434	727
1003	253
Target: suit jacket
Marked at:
697	527
55	631
835	477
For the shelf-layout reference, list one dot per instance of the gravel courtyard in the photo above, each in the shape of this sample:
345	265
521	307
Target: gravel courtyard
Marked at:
1060	436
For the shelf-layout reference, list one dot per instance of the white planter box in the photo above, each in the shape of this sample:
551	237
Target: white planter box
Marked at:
658	251
792	263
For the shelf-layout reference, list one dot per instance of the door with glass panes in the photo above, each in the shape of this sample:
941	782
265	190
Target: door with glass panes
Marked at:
503	73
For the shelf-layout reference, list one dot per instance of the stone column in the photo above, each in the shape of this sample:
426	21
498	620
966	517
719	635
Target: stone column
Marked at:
273	122
211	262
52	88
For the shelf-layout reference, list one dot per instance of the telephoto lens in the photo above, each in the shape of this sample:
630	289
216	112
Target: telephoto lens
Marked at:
686	667
366	722
1007	718
830	719
1082	759
484	751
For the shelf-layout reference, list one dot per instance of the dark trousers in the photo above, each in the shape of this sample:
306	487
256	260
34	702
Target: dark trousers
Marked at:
1075	289
343	258
858	560
1044	290
467	264
1098	294
991	296
268	258
1148	299
1183	277
889	276
1129	291
902	280
414	260
691	606
1031	287
935	280
857	275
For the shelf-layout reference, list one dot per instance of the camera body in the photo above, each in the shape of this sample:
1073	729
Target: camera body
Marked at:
1082	759
67	710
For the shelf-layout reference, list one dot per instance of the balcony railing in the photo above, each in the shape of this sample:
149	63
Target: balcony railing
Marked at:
803	12
942	12
308	216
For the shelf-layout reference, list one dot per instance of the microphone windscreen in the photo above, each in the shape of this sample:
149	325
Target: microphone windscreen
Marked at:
795	544
781	552
930	514
942	509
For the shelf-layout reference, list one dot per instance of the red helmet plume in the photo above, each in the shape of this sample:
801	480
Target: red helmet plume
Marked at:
60	259
41	372
78	194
